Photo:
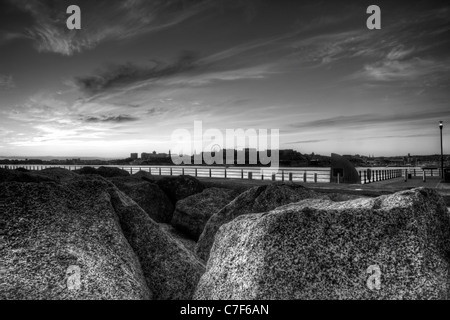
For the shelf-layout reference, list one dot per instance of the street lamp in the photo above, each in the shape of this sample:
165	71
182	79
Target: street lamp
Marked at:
442	151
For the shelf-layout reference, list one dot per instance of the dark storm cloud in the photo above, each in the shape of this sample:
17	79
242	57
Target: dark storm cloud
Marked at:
128	73
109	119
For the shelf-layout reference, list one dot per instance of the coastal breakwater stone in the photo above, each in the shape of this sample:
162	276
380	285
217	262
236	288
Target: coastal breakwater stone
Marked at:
172	272
106	172
192	213
180	187
64	241
391	247
254	200
148	196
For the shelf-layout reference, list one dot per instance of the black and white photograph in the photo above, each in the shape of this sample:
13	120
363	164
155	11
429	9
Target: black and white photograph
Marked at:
253	151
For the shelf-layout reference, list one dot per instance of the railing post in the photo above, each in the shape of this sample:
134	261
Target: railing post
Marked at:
171	171
290	176
406	175
282	175
315	177
250	175
273	177
242	174
210	173
304	177
262	174
225	173
160	171
365	176
338	178
131	170
424	176
182	171
196	173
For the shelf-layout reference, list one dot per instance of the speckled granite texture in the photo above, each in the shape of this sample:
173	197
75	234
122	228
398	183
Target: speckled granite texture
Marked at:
192	213
66	236
317	249
254	200
180	187
148	196
50	227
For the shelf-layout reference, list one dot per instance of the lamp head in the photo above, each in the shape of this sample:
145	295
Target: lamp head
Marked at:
441	124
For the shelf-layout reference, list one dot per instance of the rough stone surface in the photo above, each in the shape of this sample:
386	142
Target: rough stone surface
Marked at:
64	241
172	271
144	175
21	176
56	174
179	236
317	249
148	196
254	200
106	172
180	187
192	213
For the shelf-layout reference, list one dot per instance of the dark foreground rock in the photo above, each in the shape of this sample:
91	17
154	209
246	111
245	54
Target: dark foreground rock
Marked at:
192	213
257	199
144	175
106	172
180	187
172	271
56	174
317	249
65	242
148	196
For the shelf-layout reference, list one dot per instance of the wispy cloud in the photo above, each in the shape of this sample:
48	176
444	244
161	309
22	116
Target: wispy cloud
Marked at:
130	18
120	75
109	118
373	119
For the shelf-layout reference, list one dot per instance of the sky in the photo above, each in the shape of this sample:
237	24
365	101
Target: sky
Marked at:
140	69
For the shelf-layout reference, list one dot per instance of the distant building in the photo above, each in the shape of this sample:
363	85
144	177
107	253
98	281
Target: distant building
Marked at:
153	155
134	156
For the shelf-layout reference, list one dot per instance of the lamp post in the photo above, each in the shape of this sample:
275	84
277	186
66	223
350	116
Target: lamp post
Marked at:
442	151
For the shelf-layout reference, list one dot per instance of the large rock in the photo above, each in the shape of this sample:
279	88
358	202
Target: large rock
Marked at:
171	270
144	175
192	213
106	172
391	247
64	241
148	196
254	200
21	176
56	174
180	187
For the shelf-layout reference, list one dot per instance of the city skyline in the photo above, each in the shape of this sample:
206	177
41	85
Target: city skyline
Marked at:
138	70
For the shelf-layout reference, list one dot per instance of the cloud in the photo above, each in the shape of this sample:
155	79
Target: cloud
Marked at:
119	20
6	82
120	75
308	141
109	118
339	122
6	37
